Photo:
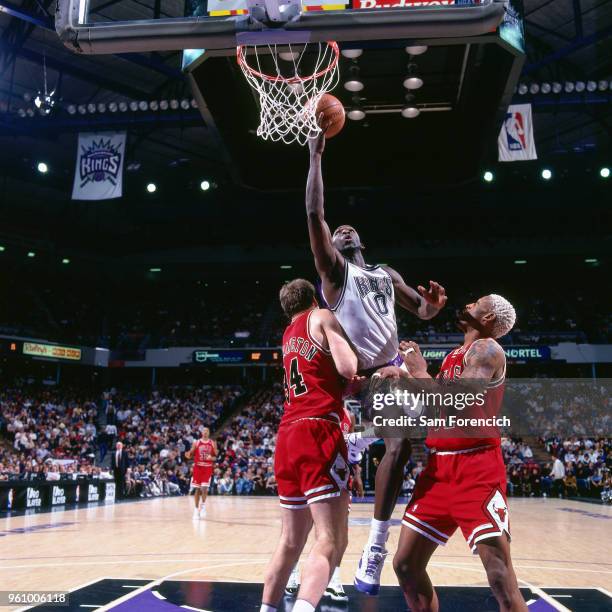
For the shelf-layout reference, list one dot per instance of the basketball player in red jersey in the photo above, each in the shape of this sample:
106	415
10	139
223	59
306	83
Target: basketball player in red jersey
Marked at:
204	451
335	588
363	299
310	461
464	483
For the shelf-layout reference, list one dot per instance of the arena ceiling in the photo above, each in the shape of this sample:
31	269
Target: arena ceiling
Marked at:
568	40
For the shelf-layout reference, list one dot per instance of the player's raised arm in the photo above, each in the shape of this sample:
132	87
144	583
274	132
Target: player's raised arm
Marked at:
425	304
343	355
328	261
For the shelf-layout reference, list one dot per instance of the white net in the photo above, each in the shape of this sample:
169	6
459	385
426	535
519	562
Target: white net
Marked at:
290	82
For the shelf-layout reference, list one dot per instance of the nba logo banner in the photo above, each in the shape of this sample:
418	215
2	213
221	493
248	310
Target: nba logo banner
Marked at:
99	166
515	142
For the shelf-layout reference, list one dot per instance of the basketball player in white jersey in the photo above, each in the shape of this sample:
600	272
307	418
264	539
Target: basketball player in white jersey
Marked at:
363	299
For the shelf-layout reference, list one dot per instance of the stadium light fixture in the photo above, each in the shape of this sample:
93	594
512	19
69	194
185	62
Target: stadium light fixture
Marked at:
174	104
154	105
133	106
101	107
151	187
143	105
604	173
286	267
557	87
546	88
356	114
205	185
354	83
65	261
123	106
185	104
2	249
522	89
591	260
520	262
591	86
546	174
580	86
91	108
163	105
194	103
416	49
488	176
31	254
569	87
72	109
352	53
412	79
602	85
410	111
113	107
42	167
155	270
534	89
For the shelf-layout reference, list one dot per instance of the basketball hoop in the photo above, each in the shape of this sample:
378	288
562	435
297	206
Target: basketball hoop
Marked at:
288	96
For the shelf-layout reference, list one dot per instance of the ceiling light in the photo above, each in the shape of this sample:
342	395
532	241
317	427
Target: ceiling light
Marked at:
101	107
123	106
602	85
205	185
113	107
143	105
154	105
21	112
522	89
91	108
488	176
604	173
31	254
546	88
591	260
410	112
65	261
155	270
194	103
416	49
569	87
546	174
580	86
42	167
557	87
151	187
591	86
163	104
413	80
133	106
72	109
288	56
185	104
174	104
534	89
354	82
520	262
356	114
352	53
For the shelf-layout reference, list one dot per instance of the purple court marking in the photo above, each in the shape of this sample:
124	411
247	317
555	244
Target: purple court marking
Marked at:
146	601
605	517
540	605
33	528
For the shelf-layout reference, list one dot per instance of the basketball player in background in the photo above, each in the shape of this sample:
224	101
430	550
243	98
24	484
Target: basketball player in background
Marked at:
464	482
204	451
335	588
310	460
363	299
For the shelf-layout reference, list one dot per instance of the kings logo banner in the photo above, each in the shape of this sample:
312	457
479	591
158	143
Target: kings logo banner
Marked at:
515	142
99	166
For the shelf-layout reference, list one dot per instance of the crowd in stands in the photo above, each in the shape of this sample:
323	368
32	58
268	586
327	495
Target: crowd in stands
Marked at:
245	311
51	434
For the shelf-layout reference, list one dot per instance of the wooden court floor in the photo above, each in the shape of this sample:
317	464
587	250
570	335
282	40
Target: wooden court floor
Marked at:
556	543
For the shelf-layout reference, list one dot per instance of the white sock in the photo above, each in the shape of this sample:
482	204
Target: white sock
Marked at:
379	532
335	579
301	605
267	608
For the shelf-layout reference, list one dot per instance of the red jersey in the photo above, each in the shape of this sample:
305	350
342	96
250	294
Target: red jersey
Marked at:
313	387
204	448
452	367
346	424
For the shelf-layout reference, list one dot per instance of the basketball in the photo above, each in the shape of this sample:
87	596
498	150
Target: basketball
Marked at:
331	113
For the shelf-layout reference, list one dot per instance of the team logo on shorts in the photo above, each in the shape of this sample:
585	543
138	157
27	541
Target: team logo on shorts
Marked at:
498	510
340	471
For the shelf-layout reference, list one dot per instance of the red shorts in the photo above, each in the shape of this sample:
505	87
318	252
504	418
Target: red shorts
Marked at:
310	462
201	476
465	489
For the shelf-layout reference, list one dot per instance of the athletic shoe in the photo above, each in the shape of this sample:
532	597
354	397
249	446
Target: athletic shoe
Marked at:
335	591
367	577
196	514
293	585
203	512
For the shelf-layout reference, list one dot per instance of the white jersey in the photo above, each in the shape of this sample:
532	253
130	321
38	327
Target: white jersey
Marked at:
366	311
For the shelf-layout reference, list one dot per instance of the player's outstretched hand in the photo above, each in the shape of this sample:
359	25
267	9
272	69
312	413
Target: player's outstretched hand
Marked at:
414	360
435	295
392	372
317	144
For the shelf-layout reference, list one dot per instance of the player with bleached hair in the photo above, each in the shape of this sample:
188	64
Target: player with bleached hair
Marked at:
464	483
